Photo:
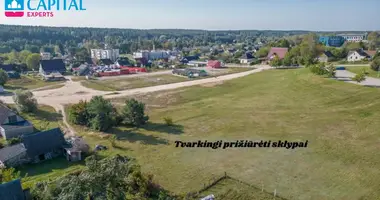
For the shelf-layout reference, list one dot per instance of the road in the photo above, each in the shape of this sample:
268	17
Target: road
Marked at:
73	92
344	75
136	75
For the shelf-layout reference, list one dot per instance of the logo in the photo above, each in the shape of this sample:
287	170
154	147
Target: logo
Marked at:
41	8
14	8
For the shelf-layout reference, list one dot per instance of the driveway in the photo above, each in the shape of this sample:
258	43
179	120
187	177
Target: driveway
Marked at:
344	75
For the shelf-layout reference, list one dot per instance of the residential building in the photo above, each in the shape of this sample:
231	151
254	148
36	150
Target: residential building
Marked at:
187	59
357	55
325	56
277	51
353	37
214	64
371	54
197	63
7	68
13	125
55	76
13	191
333	41
151	55
246	58
45	56
44	145
112	54
52	66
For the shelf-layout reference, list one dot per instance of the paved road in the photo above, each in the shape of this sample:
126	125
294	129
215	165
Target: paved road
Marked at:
344	75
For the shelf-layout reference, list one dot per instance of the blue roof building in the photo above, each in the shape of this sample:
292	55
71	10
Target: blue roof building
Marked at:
333	41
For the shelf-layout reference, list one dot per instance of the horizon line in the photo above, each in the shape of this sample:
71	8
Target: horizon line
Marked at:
210	30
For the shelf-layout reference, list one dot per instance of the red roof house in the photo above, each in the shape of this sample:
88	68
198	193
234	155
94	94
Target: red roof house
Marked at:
214	64
280	52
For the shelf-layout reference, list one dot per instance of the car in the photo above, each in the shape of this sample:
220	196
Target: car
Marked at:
340	68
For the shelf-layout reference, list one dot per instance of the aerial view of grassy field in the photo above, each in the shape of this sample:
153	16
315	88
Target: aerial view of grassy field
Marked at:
338	119
29	83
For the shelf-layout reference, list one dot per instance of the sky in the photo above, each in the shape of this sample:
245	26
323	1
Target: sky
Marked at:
312	15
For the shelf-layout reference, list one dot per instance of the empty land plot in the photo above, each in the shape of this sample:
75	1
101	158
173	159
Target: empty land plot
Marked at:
29	83
340	121
135	82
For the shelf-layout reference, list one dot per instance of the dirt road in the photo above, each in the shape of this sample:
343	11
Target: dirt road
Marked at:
73	92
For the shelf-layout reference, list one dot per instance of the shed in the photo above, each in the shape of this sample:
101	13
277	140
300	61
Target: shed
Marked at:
13	156
76	148
214	64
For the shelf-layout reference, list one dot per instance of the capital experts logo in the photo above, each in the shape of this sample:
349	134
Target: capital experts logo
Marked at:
40	8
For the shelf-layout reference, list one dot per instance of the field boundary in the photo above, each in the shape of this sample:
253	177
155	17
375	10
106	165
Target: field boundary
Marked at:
216	180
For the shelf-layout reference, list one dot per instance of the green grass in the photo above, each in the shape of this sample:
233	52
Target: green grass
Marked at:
44	118
28	83
229	189
367	69
129	83
125	83
340	121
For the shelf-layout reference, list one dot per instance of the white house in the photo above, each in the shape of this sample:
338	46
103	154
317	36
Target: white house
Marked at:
357	55
246	58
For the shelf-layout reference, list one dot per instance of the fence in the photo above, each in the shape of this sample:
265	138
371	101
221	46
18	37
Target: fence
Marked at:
216	180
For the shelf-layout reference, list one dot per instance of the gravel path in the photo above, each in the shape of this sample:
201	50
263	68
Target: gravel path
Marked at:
344	75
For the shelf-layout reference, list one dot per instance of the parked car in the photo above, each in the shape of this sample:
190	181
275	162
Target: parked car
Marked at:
340	68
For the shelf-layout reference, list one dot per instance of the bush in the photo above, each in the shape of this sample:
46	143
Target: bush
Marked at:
375	64
359	77
24	101
134	113
13	141
319	69
331	71
3	77
112	140
168	121
78	113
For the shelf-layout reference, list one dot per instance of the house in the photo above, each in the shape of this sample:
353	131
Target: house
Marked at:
106	62
357	55
187	59
190	72
214	64
197	63
13	191
247	58
76	148
45	56
12	125
325	56
13	156
44	145
7	68
371	54
54	77
52	66
277	51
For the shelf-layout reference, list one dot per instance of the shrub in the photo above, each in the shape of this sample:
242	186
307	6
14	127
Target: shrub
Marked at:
112	140
331	71
78	113
168	121
319	69
24	100
375	64
359	77
13	141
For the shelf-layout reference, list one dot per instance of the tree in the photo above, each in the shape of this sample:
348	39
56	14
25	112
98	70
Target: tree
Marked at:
262	52
134	113
359	77
33	61
331	71
24	101
9	174
23	55
375	64
78	113
276	62
101	114
287	59
3	77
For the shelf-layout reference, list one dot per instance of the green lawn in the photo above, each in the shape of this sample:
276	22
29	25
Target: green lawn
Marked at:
28	83
44	119
124	83
229	189
129	83
340	121
367	69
